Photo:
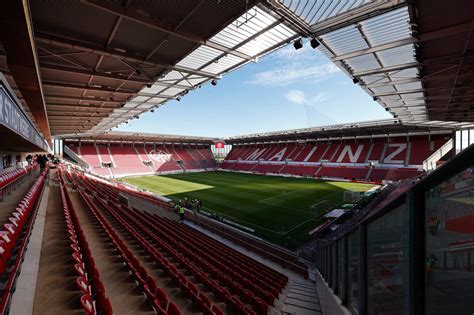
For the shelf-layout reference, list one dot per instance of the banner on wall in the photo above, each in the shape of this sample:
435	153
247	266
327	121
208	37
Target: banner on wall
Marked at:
12	117
220	145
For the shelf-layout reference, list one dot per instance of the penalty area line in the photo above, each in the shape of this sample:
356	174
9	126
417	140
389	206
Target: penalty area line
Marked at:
237	220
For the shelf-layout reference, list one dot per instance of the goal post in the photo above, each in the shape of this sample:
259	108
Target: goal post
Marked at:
352	196
319	209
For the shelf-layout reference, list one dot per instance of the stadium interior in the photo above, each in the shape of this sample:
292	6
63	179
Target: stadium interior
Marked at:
372	217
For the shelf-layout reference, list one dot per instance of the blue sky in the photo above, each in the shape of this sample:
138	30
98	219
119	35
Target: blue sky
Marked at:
287	89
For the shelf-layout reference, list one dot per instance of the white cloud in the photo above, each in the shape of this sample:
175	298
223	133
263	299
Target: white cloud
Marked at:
295	96
299	97
319	98
288	66
293	73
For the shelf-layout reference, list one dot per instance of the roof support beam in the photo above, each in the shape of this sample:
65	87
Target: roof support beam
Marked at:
371	9
375	49
165	97
398	92
110	76
84	99
387	69
81	114
404	81
447	31
92	73
81	87
161	26
114	53
73	107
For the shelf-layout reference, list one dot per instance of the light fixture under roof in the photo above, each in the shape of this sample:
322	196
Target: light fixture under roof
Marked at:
314	43
298	44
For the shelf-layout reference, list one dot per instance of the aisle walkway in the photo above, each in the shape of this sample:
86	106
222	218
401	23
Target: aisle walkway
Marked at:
55	276
120	288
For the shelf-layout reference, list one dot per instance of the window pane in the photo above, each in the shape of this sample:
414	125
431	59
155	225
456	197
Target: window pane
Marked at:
353	260
449	257
385	252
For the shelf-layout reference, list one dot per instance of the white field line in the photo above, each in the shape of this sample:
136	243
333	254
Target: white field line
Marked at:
248	223
297	226
285	193
277	205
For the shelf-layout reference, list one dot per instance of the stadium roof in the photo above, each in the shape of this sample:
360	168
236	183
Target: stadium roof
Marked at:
89	65
415	59
366	129
103	63
116	136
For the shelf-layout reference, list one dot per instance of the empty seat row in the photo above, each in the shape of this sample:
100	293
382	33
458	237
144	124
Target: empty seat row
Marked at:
11	176
94	299
223	276
395	150
14	238
240	276
109	190
145	283
280	256
342	172
283	258
142	159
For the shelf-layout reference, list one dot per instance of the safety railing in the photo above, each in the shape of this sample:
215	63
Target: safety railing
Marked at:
416	254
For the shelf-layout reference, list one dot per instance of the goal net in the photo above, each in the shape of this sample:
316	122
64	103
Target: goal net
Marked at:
320	208
352	196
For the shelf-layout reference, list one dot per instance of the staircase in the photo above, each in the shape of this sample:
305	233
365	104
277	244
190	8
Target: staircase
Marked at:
181	165
302	299
430	163
369	173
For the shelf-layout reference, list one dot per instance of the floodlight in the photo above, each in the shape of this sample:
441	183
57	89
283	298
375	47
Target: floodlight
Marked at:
214	82
355	80
314	43
298	44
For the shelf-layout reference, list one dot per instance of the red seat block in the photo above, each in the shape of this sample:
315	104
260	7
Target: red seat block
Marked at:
87	304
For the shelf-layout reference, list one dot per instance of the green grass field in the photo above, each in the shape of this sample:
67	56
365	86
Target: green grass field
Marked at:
277	208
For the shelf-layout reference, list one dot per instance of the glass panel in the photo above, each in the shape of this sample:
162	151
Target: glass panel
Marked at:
449	266
385	252
353	271
340	266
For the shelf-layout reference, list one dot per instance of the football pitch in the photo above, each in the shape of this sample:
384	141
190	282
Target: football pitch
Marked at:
276	208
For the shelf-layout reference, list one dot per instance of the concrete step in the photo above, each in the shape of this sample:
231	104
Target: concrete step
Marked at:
302	298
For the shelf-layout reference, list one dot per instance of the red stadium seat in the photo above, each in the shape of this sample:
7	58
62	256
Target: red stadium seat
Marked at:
217	311
87	304
173	309
83	285
162	298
